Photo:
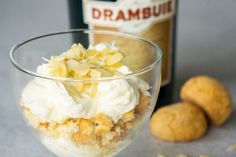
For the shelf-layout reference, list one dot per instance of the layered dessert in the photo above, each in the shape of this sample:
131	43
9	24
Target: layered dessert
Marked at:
87	113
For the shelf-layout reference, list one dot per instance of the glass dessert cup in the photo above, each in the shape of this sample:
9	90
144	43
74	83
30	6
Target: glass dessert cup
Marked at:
115	107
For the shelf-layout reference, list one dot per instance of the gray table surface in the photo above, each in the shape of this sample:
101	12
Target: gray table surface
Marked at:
206	45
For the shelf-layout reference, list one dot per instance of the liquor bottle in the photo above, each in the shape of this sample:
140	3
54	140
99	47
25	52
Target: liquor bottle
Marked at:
152	19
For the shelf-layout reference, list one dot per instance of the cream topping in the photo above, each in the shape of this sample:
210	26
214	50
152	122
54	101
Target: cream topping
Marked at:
51	102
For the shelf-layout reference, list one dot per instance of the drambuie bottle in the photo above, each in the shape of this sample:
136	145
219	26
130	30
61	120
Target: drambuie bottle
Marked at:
151	19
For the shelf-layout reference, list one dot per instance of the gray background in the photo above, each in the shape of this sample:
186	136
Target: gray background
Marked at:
206	45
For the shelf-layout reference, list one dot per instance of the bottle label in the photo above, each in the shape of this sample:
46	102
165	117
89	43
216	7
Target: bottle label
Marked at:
152	19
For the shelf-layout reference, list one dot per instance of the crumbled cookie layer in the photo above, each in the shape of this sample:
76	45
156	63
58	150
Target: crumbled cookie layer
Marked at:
99	130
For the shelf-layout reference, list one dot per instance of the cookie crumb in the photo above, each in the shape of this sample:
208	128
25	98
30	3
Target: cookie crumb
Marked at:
204	155
182	155
161	155
231	148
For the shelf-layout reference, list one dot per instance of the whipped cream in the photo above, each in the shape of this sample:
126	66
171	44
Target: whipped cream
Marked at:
115	98
50	101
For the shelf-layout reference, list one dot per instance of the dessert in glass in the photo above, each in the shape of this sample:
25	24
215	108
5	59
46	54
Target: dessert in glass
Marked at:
84	97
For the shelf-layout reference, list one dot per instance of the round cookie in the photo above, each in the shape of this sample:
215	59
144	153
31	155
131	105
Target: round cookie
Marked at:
179	122
210	95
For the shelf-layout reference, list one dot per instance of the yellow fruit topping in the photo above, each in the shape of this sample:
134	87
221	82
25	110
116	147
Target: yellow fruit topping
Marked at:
77	51
77	69
113	58
92	53
81	63
59	69
93	73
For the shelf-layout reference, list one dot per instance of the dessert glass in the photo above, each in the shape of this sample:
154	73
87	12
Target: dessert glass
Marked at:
65	139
